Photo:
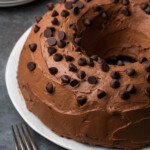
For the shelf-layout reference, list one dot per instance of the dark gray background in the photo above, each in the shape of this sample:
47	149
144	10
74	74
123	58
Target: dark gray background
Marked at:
13	22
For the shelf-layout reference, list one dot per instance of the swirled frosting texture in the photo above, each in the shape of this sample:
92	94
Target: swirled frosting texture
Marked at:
98	109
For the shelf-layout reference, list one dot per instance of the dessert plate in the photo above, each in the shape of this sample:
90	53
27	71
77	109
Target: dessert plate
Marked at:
9	3
19	103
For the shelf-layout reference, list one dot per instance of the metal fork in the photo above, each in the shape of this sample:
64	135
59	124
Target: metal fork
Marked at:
26	138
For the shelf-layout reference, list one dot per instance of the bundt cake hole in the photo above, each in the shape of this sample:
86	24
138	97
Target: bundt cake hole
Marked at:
108	45
113	42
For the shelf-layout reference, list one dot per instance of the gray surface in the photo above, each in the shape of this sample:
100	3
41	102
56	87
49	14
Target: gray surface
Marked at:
13	22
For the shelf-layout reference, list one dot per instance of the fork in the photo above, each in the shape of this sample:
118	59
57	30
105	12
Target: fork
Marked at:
26	139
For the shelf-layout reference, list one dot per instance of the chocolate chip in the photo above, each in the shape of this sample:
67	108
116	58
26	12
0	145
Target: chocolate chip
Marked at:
74	1
105	67
101	61
147	77
97	7
77	41
142	59
82	62
61	44
94	57
81	100
50	6
51	28
74	82
61	1
120	63
92	80
31	66
130	71
87	1
147	67
90	62
147	10
125	11
104	15
52	41
72	67
53	70
50	88
115	75
75	10
52	50
36	29
68	5
64	13
48	33
87	22
78	49
114	1
124	95
131	89
147	92
79	4
55	13
73	27
58	57
69	58
33	47
65	79
61	35
38	19
81	74
114	83
101	94
144	5
55	21
125	2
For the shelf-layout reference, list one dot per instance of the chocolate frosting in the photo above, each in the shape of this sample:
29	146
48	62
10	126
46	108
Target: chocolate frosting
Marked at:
112	119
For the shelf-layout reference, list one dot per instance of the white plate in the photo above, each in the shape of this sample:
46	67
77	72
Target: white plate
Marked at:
19	103
9	3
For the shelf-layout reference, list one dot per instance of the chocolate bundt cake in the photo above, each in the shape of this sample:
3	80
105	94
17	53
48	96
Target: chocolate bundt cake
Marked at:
72	76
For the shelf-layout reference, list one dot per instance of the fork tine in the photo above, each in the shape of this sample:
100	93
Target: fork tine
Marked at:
25	138
20	139
15	139
30	137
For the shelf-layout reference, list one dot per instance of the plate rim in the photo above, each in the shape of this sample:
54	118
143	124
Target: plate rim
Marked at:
14	3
